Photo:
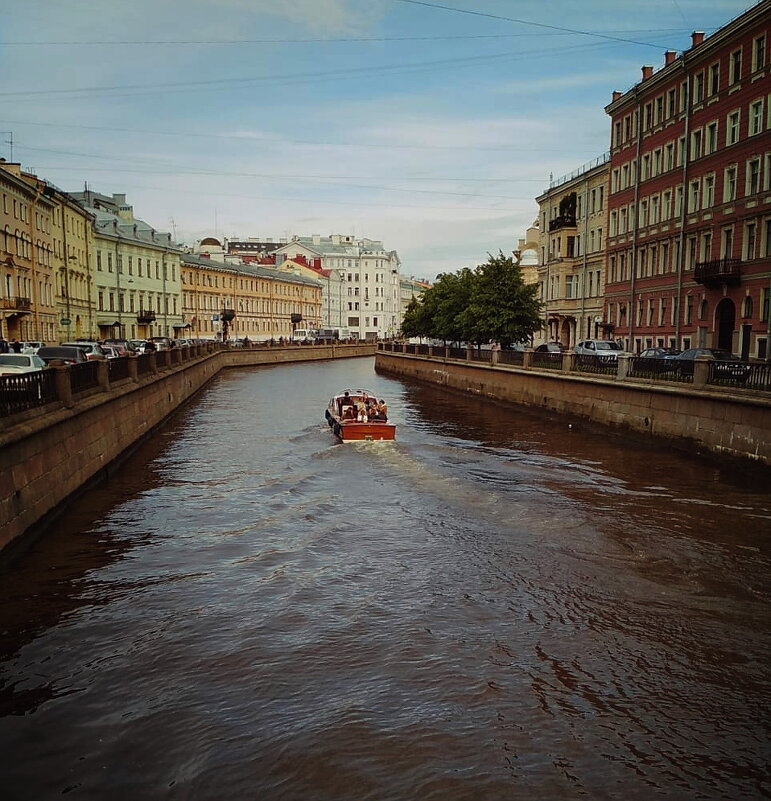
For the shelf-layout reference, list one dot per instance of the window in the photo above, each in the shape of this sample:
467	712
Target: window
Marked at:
753	176
659	109
671	103
655	210
750	236
696	138
756	117
729	184
735	71
709	191
98	259
648	116
693	196
732	128
706	246
714	79
727	244
669	160
698	88
710	139
759	53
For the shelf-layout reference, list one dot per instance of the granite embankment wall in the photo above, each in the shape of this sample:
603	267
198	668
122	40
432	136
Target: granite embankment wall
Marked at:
50	454
722	421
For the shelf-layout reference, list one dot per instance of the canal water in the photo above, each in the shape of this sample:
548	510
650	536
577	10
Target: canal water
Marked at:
503	604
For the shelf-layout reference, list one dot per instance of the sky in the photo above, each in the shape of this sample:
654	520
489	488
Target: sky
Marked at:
431	126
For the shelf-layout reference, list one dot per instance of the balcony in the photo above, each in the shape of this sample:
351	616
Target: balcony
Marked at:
145	316
717	272
563	221
17	305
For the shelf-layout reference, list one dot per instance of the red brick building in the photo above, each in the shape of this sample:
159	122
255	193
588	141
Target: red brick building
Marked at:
689	209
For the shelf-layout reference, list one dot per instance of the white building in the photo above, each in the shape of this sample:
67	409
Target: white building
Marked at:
362	290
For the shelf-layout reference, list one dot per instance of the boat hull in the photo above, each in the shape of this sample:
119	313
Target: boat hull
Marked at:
352	431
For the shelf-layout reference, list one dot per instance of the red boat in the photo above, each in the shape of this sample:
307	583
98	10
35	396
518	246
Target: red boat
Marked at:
356	415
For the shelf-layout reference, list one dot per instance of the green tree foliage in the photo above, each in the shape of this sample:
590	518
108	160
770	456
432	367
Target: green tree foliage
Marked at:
489	303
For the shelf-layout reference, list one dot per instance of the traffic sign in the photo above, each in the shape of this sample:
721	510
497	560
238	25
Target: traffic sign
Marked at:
65	321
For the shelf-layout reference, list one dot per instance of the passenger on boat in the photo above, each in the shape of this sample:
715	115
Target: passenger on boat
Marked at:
382	410
362	412
346	400
348	413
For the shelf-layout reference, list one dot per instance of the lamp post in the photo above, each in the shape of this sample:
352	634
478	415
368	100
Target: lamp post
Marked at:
226	316
341	273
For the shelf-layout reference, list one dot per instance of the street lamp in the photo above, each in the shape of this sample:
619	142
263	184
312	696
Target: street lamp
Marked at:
226	316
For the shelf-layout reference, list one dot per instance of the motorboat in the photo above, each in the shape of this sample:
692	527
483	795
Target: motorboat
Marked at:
353	416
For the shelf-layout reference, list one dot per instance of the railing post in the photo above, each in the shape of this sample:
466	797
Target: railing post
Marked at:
624	363
469	351
103	375
430	351
527	359
133	370
700	371
569	362
63	385
495	355
153	361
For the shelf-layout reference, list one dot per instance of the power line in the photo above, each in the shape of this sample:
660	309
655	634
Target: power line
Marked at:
527	22
354	40
277	140
292	77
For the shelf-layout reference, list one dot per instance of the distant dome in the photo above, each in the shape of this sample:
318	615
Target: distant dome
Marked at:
528	258
211	241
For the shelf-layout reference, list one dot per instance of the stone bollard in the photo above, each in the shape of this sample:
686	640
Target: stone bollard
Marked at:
624	366
700	371
527	359
133	370
469	352
103	374
153	361
62	384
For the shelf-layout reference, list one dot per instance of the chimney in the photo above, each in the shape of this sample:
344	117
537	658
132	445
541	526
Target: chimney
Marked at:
617	95
669	57
697	37
647	72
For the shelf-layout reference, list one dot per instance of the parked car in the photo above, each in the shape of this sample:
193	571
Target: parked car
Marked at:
550	347
112	352
15	363
31	347
123	346
599	347
69	354
137	345
659	353
93	350
162	343
729	367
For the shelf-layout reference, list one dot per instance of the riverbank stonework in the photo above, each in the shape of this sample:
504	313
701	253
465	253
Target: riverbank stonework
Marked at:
51	454
734	423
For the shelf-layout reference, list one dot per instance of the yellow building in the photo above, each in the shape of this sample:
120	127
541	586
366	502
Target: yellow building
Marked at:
264	299
27	291
571	269
73	243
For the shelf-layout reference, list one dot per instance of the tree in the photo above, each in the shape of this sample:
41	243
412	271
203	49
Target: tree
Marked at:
501	308
417	319
450	295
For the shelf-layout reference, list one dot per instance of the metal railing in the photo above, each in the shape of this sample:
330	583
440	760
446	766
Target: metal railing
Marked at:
118	368
144	363
18	393
456	353
597	364
548	361
759	377
515	357
84	376
479	355
658	369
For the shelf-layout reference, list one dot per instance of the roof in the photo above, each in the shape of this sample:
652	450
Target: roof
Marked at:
251	270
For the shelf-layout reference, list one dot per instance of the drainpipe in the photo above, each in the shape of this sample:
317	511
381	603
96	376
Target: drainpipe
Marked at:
583	256
547	283
118	265
633	265
683	205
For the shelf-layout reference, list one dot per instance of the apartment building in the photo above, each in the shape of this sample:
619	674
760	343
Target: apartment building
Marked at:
362	290
27	284
137	276
266	302
571	268
689	210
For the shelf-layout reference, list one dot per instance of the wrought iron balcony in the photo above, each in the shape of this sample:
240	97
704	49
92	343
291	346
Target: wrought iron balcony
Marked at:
563	221
717	272
145	316
17	304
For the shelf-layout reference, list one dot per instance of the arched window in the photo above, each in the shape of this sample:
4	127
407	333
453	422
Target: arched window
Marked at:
703	309
747	307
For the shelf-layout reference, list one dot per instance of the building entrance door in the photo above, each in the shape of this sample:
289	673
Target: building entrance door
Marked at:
745	345
725	318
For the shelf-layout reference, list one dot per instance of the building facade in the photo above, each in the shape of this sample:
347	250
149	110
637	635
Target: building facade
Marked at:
27	284
264	299
571	268
137	276
362	286
689	211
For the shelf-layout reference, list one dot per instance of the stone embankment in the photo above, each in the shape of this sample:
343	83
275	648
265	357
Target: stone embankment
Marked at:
689	410
79	423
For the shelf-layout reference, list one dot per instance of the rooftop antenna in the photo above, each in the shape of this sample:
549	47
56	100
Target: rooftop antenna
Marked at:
173	227
215	222
9	141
